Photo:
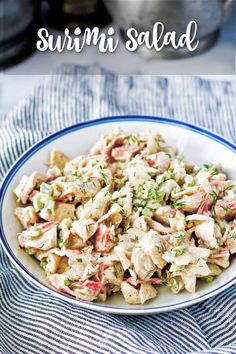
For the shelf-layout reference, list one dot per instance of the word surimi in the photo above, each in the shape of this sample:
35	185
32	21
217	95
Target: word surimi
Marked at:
106	42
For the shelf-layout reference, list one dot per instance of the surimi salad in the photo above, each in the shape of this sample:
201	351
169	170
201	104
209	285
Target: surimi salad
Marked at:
131	216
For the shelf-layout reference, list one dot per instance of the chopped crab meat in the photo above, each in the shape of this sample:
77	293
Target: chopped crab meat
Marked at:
113	215
147	292
135	296
128	205
19	189
99	206
58	281
206	232
214	269
47	226
229	195
79	189
58	159
116	141
136	233
142	262
84	290
123	153
94	287
64	233
204	229
104	175
84	228
158	227
193	271
113	274
220	258
163	215
154	248
199	269
167	187
177	223
27	216
187	191
53	172
202	176
130	294
159	161
121	253
81	265
219	181
140	223
53	262
179	171
153	145
27	185
133	279
41	255
39	238
104	238
64	210
189	282
220	253
231	241
191	203
182	256
225	209
205	206
138	170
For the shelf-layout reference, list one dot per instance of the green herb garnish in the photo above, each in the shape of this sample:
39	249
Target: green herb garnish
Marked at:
76	174
133	140
208	278
67	282
207	165
104	176
180	235
178	251
191	184
178	204
225	208
152	194
43	264
139	202
214	196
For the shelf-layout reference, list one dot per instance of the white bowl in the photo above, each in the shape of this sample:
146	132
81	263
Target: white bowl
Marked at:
195	143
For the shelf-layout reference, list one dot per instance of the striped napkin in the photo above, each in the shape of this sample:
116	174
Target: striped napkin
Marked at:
34	322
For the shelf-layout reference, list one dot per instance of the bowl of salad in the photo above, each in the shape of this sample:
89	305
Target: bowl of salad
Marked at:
127	215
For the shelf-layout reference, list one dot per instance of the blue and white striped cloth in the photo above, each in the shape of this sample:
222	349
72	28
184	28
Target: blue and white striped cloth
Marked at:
34	322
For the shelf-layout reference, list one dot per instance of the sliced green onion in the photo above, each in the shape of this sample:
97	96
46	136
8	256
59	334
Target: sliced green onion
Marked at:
67	282
46	189
208	278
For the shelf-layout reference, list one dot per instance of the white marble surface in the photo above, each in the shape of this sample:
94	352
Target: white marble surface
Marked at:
14	85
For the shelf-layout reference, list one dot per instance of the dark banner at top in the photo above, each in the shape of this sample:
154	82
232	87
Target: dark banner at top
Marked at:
134	36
